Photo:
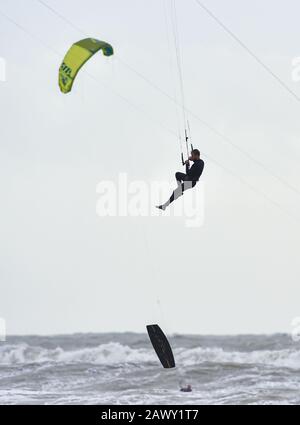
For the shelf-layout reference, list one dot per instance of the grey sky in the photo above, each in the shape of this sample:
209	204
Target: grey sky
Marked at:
63	269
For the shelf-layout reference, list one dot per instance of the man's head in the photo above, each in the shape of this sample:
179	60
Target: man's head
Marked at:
195	155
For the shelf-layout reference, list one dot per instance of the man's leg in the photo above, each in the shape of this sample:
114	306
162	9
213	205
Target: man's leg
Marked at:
175	195
180	178
182	187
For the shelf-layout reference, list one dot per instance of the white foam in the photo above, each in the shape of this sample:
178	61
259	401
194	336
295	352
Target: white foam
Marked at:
112	353
281	358
115	353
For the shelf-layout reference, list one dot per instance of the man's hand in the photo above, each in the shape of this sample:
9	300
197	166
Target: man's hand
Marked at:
187	162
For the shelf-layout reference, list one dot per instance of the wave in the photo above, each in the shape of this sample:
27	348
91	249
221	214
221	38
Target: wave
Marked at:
289	358
111	353
118	354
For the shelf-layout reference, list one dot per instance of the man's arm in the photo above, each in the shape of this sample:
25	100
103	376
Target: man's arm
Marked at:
187	167
195	172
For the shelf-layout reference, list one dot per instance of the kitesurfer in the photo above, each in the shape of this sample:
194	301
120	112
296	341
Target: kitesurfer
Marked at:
188	180
187	389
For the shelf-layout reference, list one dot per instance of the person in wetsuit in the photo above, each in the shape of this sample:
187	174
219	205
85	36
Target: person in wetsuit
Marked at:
186	389
188	180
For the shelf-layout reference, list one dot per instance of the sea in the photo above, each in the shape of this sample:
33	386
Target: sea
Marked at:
122	369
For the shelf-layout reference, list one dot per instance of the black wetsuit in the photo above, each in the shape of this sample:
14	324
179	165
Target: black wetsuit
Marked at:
186	389
193	174
188	180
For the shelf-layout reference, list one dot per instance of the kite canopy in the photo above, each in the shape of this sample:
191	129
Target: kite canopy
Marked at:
76	57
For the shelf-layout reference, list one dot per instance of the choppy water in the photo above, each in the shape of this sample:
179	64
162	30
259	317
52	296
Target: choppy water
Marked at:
123	369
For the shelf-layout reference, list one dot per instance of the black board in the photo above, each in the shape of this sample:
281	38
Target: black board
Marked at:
161	346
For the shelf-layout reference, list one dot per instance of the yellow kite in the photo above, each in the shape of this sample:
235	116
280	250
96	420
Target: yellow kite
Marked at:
76	57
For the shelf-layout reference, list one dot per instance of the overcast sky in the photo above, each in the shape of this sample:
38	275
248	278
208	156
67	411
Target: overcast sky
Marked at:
65	269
